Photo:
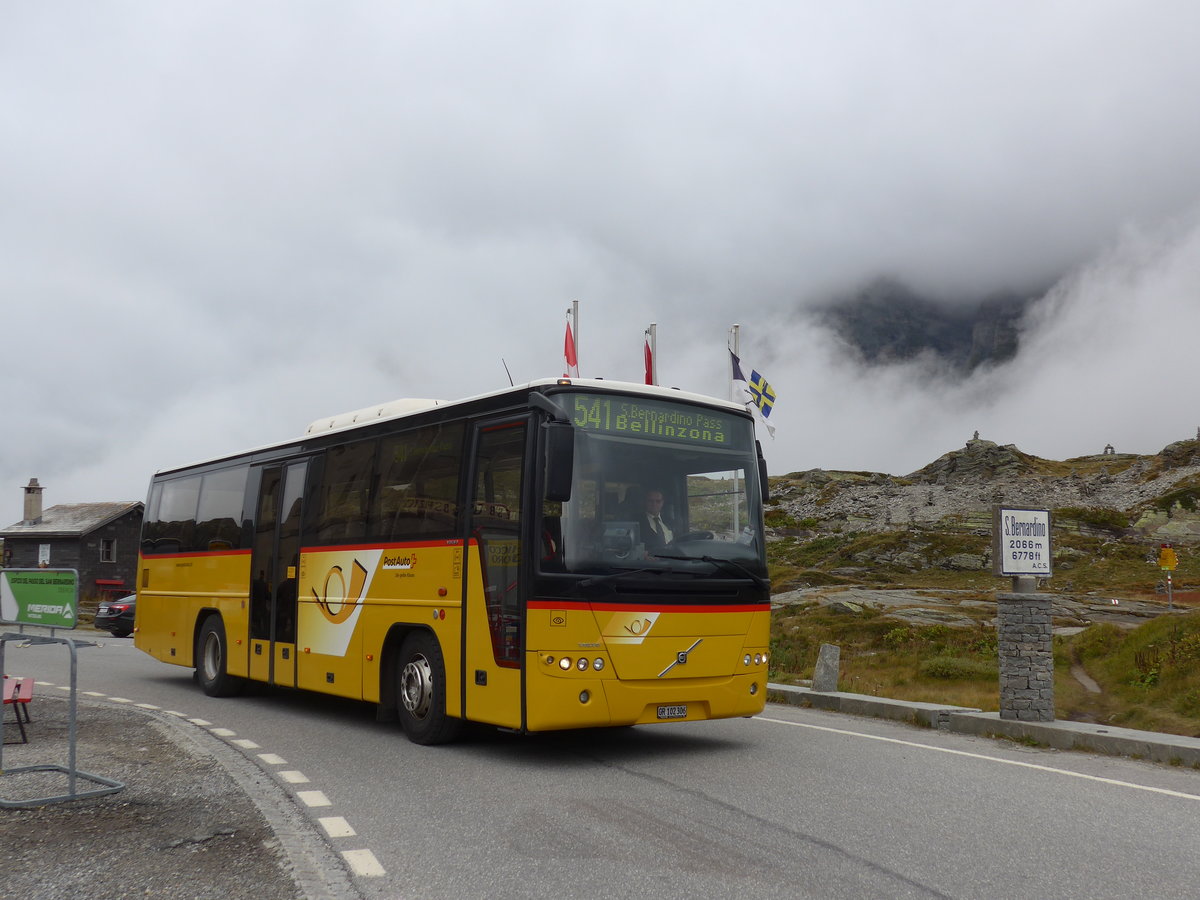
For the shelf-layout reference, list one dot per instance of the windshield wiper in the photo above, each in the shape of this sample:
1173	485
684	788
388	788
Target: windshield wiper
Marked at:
717	561
600	580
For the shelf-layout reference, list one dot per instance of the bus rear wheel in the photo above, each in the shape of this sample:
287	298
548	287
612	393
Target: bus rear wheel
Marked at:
421	691
212	655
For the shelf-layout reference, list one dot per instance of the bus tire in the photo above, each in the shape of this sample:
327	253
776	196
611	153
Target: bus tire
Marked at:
212	656
421	691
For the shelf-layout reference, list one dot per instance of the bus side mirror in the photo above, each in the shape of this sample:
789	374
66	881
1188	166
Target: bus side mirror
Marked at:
764	487
560	460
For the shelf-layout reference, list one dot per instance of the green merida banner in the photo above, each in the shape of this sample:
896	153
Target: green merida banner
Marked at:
46	597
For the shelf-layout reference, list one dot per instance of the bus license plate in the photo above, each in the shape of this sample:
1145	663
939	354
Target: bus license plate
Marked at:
672	712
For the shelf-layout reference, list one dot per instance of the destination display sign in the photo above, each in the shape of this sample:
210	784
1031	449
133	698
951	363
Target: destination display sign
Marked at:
47	597
1021	541
655	419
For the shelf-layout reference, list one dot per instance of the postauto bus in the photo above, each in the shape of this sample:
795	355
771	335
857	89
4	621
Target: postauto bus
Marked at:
485	560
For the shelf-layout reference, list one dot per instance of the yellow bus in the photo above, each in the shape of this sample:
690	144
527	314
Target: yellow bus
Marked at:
487	560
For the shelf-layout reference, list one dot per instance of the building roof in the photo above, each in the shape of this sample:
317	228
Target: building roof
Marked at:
68	519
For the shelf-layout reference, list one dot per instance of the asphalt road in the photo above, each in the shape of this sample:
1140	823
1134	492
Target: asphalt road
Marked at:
795	803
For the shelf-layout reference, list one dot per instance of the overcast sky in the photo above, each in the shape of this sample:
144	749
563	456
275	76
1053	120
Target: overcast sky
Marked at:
220	221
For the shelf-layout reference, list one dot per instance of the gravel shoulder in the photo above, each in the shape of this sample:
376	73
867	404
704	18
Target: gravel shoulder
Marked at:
196	819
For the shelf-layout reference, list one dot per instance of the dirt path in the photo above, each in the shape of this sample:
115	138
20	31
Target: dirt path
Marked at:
1081	675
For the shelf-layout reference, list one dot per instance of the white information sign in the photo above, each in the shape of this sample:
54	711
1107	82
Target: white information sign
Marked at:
1021	541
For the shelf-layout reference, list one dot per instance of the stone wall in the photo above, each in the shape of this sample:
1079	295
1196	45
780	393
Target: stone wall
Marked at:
1024	633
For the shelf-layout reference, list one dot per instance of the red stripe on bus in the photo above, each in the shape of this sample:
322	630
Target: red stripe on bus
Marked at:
192	554
647	607
402	545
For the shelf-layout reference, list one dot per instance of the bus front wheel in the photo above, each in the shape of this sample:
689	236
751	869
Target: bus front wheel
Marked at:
212	655
421	691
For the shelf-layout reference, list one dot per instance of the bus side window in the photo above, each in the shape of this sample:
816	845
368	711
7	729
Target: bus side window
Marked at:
418	487
220	509
344	496
173	529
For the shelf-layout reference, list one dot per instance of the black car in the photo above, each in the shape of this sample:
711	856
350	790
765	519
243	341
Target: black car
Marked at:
116	616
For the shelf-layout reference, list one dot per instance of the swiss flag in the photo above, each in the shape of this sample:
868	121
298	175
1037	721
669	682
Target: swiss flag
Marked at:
572	360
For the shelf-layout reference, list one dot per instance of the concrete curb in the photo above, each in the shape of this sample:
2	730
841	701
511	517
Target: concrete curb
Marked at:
1173	749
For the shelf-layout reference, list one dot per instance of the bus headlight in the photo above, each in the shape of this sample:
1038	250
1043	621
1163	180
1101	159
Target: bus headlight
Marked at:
582	665
746	660
598	665
565	663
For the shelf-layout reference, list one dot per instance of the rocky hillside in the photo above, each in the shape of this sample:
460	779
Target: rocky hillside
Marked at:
931	530
1149	497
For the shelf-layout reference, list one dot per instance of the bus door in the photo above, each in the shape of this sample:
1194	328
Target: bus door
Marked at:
274	566
493	586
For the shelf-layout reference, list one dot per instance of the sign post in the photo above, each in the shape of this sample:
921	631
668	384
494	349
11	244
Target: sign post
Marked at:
48	598
1167	561
1024	618
1021	545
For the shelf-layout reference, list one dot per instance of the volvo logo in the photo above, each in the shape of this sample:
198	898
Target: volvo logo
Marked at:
681	658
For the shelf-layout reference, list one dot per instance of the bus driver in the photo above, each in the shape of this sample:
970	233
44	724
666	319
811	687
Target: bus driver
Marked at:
656	533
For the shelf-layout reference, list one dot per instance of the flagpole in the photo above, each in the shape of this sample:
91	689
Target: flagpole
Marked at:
652	337
734	345
734	337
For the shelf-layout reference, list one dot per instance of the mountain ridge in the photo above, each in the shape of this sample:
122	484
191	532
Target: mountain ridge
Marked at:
1153	497
888	322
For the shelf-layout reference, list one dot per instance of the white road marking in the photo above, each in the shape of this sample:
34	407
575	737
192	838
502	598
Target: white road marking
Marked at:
363	863
337	826
313	798
1008	762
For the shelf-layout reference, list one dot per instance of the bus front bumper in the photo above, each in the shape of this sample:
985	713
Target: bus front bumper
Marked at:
556	703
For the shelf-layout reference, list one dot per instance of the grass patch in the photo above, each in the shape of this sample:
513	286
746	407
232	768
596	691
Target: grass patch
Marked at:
1097	517
777	518
1152	672
1150	676
1185	495
957	668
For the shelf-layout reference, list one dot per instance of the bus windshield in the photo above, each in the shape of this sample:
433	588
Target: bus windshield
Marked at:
660	485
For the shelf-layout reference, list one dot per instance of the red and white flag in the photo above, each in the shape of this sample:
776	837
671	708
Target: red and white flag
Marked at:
649	354
572	361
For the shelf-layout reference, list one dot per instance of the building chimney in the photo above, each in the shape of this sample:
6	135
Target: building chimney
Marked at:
33	503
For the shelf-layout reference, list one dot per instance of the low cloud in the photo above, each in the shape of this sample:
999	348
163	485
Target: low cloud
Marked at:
226	220
1107	356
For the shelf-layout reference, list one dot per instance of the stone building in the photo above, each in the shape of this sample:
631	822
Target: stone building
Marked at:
99	540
